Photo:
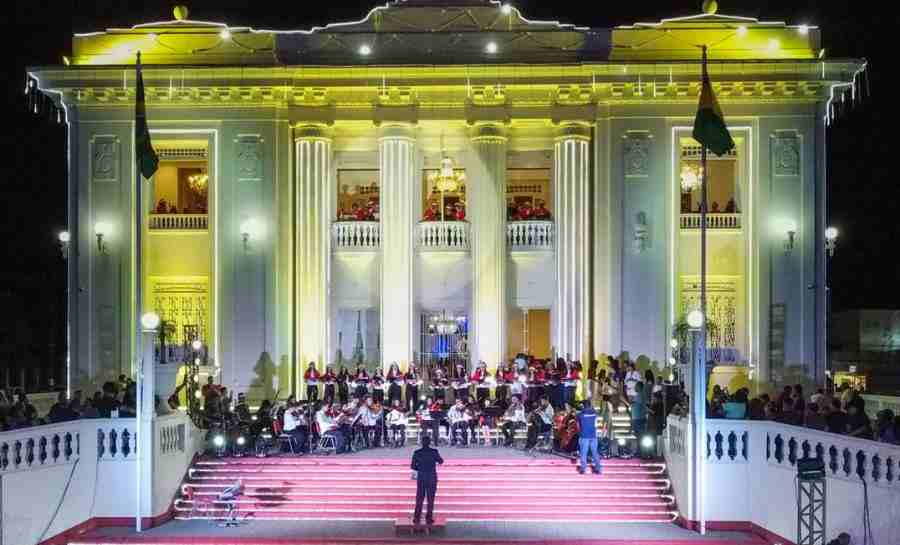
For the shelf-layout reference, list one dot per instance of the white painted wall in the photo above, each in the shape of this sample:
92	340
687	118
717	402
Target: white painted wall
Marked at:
41	499
760	489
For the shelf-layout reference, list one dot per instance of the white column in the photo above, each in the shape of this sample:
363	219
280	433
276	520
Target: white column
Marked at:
313	163
398	201
571	179
486	197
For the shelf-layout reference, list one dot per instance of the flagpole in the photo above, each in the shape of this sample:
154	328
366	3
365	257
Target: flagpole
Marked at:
700	368
138	347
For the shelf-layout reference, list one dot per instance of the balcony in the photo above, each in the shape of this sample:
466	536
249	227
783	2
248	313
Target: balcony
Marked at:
717	221
179	222
529	235
358	236
444	236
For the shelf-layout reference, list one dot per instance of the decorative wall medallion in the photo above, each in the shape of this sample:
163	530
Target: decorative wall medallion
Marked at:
637	154
786	153
105	158
249	157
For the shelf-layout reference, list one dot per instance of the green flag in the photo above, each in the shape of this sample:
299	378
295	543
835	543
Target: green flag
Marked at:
147	160
709	125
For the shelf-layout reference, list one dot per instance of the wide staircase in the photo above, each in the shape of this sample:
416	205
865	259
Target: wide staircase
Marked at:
488	488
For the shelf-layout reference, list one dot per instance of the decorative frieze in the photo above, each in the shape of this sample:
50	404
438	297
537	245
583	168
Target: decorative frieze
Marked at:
636	149
786	153
105	157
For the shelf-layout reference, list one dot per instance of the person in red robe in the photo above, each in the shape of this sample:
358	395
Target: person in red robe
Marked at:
460	211
431	213
541	212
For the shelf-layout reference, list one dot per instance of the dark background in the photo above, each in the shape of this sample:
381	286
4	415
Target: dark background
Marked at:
862	196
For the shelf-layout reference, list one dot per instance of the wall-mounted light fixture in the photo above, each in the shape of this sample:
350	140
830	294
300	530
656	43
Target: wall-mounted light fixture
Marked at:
641	233
790	231
64	238
250	229
831	236
101	229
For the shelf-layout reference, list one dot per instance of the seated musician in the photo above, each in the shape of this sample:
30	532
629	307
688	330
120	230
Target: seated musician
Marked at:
565	430
423	417
242	410
513	419
483	381
296	425
368	422
396	422
330	427
459	422
541	422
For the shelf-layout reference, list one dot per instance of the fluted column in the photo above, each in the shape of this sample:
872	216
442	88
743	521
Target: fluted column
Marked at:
398	198
487	213
312	144
571	179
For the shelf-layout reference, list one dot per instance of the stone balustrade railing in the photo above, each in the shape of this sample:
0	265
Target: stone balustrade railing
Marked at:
356	235
178	222
713	221
750	468
443	235
530	235
61	476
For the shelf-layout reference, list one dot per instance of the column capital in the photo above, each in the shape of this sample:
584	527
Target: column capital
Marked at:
396	131
312	131
488	132
573	130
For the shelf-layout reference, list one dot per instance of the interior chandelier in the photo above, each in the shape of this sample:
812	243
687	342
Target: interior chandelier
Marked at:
447	179
690	178
199	183
445	325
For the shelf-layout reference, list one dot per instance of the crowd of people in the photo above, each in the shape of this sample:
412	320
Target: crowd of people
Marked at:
165	207
453	211
529	396
360	212
116	398
526	211
842	412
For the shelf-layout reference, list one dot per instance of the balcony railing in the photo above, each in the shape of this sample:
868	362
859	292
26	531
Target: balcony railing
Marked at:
444	235
179	222
529	235
356	235
713	221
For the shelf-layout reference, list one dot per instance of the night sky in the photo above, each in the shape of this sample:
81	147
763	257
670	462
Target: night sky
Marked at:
863	183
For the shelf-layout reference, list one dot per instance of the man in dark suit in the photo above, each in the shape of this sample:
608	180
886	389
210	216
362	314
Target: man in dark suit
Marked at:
424	463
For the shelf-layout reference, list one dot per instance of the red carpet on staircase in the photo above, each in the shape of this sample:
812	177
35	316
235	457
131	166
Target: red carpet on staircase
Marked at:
473	489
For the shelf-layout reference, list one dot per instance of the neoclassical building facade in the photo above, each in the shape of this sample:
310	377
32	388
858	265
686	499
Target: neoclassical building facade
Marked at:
446	180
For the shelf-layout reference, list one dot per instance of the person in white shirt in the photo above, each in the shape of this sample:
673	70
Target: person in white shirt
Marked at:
459	422
632	377
325	419
513	418
396	421
296	425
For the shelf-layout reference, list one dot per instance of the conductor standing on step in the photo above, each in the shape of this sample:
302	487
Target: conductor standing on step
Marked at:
424	463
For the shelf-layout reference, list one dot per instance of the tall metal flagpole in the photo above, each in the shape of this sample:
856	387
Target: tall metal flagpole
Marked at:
700	365
138	348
